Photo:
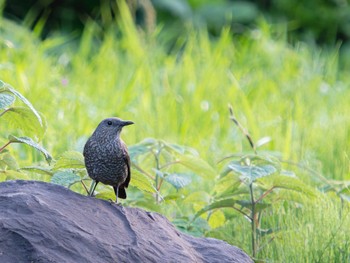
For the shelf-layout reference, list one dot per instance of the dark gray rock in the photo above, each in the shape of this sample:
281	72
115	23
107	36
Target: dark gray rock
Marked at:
42	222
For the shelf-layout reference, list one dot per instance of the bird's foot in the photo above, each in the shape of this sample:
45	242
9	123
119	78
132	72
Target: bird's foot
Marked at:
114	202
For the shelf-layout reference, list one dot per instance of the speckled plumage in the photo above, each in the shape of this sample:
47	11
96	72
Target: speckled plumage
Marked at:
106	156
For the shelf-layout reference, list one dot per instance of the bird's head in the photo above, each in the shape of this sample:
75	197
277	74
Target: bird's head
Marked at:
111	126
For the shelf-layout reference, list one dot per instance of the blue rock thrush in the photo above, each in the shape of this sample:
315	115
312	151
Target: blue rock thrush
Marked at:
106	157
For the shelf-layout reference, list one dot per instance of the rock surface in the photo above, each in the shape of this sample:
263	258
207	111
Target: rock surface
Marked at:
42	222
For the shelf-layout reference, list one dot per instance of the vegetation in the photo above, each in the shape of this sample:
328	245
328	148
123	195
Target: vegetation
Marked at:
282	198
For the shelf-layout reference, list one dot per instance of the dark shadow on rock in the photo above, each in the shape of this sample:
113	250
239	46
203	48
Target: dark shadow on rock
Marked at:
42	222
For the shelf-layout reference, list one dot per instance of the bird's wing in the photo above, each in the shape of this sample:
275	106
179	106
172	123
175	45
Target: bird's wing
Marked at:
126	158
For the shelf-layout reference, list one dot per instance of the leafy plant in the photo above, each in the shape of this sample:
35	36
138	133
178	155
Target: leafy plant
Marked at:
69	171
251	184
27	121
158	161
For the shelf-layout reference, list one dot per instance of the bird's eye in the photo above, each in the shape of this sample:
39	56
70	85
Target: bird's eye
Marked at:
109	123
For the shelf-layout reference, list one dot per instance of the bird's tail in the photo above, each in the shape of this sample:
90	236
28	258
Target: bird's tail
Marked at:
121	192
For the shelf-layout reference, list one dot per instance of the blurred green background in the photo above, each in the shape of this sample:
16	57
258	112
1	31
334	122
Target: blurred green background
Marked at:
173	67
322	21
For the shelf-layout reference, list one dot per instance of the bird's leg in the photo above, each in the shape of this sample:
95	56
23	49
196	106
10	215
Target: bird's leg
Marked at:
116	191
93	187
116	197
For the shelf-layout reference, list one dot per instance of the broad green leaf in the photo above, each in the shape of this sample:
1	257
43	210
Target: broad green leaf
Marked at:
159	173
142	182
6	99
70	160
225	171
65	178
175	147
148	142
197	165
9	161
253	167
38	170
242	189
15	175
224	203
31	143
23	118
106	193
141	148
2	177
178	180
198	197
172	197
227	184
216	219
194	228
25	101
287	182
287	173
166	156
248	204
181	149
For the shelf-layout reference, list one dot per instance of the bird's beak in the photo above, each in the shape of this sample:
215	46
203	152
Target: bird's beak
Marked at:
126	123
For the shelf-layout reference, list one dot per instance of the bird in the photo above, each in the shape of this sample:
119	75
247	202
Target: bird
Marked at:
106	157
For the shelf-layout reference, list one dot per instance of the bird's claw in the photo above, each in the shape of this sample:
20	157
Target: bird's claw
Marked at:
114	202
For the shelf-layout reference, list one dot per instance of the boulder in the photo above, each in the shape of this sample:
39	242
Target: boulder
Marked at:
43	222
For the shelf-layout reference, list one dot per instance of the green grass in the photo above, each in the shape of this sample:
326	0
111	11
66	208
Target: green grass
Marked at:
296	95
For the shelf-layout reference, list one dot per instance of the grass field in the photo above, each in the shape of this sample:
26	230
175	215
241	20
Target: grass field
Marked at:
296	95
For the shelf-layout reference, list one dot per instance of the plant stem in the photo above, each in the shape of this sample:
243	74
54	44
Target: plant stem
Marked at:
169	163
87	191
264	194
3	147
243	130
2	113
253	226
240	211
142	171
158	184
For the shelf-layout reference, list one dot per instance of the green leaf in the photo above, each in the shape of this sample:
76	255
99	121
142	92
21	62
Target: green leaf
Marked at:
31	143
216	219
252	172
287	182
38	170
197	165
198	197
227	184
178	180
181	149
25	101
141	148
224	203
142	182
8	161
6	99
258	206
253	167
14	175
65	178
106	193
24	119
70	160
